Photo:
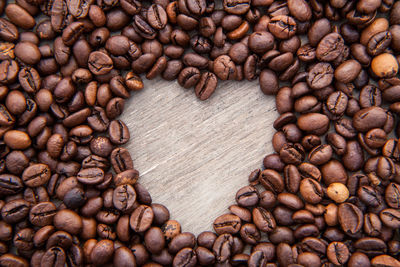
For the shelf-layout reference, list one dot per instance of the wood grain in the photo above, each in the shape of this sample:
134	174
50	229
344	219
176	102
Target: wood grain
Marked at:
193	156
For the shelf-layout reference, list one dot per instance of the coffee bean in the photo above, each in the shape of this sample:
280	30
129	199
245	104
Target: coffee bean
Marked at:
72	33
320	76
206	85
224	68
91	176
384	259
8	31
124	197
99	63
338	192
36	175
311	191
227	224
390	218
19	16
17	139
272	181
42	213
247	196
350	218
141	218
300	9
292	153
156	16
263	219
282	26
15	211
261	42
236	7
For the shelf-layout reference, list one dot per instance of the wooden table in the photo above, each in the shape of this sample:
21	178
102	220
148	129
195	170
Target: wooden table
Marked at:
193	156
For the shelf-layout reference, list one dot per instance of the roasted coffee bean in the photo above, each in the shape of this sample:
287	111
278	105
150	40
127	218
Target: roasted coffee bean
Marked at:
100	63
15	211
206	85
236	7
320	76
311	191
36	175
282	26
350	218
292	153
390	218
72	33
156	16
141	218
8	31
227	224
124	197
154	240
263	219
272	181
91	176
42	214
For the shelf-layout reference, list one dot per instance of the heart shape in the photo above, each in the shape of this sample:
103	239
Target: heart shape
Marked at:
193	155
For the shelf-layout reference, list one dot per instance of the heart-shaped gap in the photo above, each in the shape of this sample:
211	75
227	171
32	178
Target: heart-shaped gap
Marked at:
192	155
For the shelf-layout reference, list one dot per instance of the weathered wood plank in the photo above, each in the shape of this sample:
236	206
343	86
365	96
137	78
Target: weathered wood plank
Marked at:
193	156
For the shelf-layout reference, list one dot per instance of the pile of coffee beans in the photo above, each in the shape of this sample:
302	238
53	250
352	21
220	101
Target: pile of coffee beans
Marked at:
328	196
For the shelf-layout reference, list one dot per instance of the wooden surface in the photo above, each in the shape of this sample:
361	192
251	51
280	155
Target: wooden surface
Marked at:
193	156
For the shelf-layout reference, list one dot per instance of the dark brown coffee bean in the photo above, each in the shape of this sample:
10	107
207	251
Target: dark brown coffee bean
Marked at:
272	181
300	10
54	256
282	26
292	178
206	86
19	16
10	70
227	224
261	42
347	71
143	28
141	218
189	77
10	184
91	176
330	47
42	213
8	31
292	153
311	191
224	68
236	7
124	197
363	121
185	257
320	76
15	211
102	252
222	248
36	175
172	70
390	218
263	219
350	218
72	33
99	63
157	17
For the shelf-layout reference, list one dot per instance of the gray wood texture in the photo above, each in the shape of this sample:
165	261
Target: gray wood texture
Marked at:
193	156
